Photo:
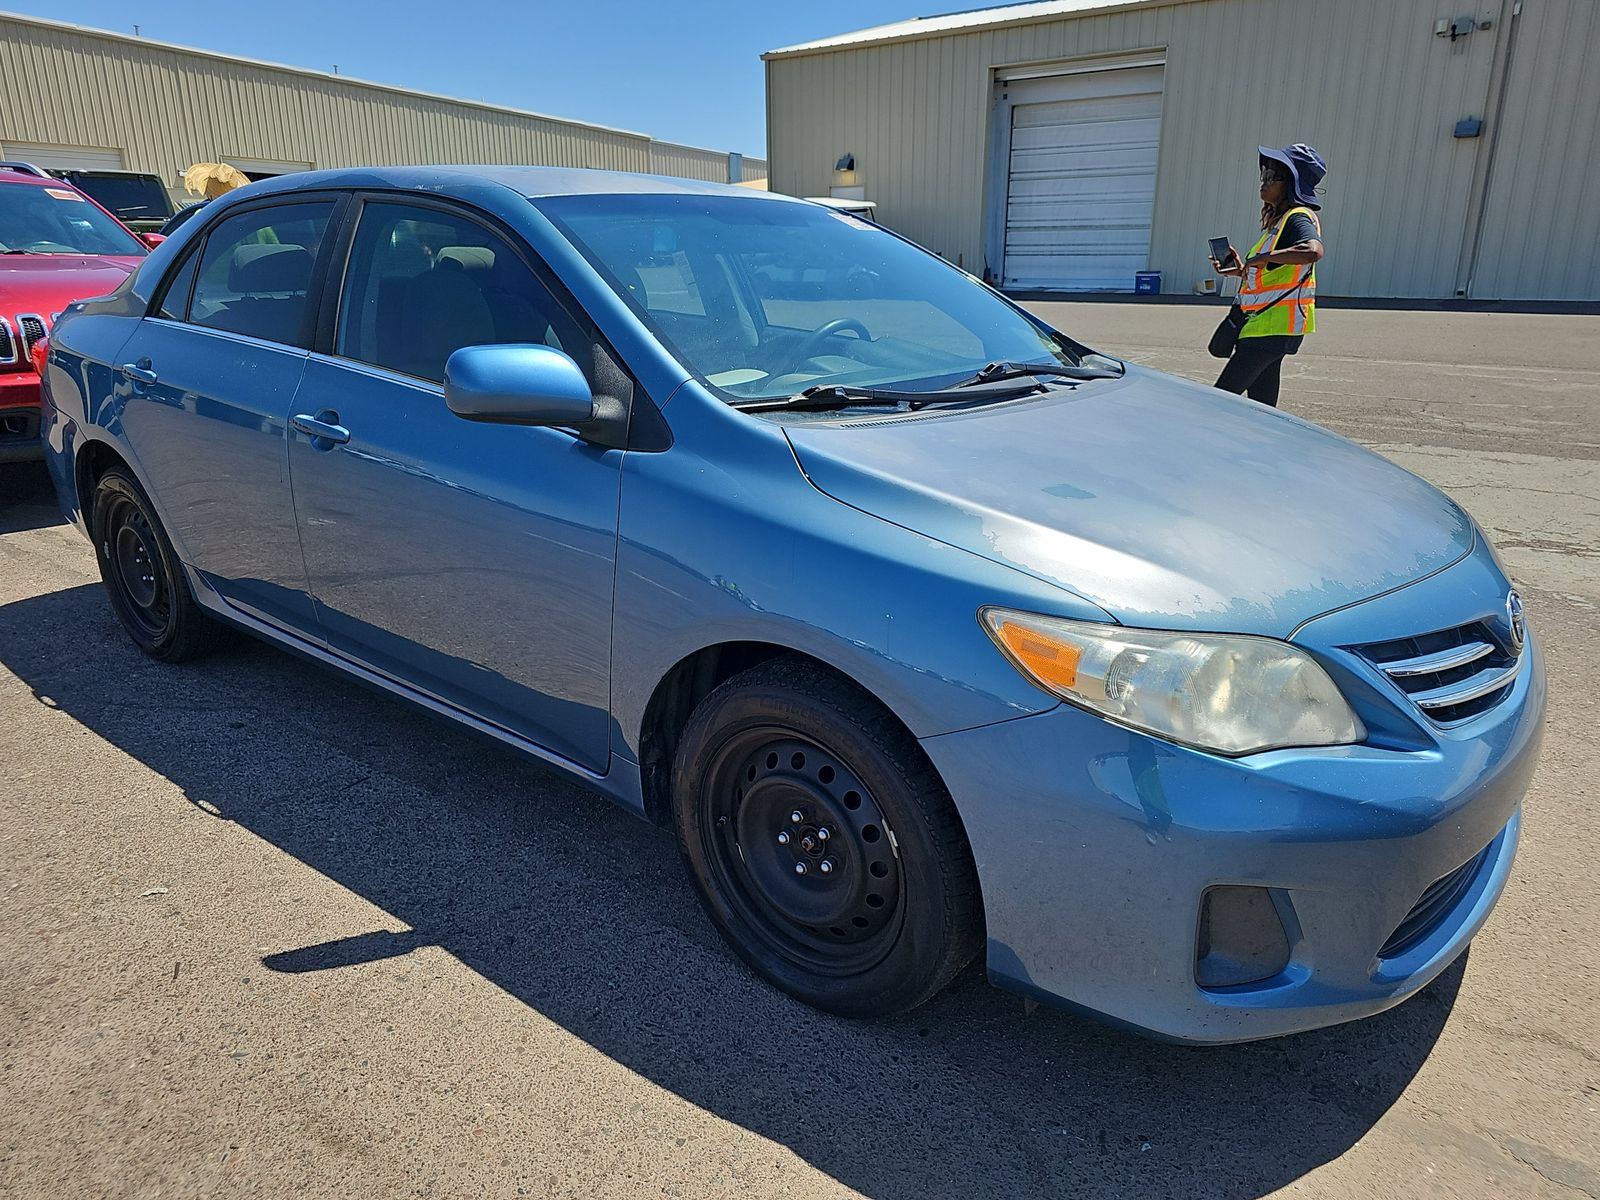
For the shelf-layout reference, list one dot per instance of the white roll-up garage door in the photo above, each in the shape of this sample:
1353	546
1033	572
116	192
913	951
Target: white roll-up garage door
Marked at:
62	158
1081	178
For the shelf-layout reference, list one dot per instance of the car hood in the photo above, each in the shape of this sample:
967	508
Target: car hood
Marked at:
47	283
1165	503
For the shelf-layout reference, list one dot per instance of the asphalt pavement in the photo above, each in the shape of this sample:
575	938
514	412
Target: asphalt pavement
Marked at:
267	933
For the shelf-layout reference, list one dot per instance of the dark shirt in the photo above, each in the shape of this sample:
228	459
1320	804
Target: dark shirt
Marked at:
1298	228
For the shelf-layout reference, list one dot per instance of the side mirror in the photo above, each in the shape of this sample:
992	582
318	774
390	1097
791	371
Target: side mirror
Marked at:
517	385
152	239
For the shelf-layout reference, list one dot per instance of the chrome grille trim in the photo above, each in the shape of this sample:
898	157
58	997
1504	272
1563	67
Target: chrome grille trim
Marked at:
1472	688
1451	674
8	344
1444	660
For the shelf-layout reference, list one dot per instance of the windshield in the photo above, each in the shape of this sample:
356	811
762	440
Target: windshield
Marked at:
57	220
131	197
763	299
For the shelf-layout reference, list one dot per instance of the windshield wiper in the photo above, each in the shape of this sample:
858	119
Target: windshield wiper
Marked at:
826	397
996	371
822	398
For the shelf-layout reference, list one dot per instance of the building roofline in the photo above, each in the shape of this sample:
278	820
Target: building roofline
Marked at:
325	76
530	182
1030	12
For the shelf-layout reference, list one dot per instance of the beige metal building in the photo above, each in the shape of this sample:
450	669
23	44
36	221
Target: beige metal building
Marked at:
72	97
1067	144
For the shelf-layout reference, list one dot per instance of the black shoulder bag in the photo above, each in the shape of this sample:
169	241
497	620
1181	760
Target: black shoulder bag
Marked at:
1227	333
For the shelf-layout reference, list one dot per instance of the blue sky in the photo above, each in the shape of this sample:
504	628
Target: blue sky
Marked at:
686	72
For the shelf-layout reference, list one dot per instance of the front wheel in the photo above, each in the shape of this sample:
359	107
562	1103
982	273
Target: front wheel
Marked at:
822	842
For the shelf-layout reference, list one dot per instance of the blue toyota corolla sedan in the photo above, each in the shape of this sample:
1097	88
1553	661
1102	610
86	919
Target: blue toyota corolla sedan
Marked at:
929	630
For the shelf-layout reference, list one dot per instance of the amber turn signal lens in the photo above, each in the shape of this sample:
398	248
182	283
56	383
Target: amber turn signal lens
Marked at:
1051	662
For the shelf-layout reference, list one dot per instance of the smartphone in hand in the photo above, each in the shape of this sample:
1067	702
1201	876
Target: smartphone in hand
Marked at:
1222	254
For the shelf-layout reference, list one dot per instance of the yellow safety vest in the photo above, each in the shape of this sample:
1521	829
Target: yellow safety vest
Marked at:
1279	301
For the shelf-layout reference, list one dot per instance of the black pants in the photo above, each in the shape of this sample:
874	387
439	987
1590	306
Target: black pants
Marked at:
1253	369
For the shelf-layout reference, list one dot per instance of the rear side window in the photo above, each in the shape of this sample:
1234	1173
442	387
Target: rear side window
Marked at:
255	272
175	301
423	283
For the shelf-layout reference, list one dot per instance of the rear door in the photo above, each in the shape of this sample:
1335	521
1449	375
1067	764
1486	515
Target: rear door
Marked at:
472	561
211	374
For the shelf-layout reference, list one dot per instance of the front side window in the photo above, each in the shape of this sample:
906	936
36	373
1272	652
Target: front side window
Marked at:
422	283
764	298
58	220
255	271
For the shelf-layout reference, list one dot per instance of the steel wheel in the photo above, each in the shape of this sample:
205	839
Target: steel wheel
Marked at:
823	843
803	851
142	575
136	568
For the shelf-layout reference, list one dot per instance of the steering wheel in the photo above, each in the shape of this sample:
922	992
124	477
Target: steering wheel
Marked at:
813	342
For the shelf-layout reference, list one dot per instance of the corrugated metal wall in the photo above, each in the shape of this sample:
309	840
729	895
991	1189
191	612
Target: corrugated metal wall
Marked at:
1542	213
1365	81
166	108
688	162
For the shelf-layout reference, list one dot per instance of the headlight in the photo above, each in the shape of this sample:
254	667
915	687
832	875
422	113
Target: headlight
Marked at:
1225	692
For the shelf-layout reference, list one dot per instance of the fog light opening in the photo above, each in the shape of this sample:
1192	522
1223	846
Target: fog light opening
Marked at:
1241	938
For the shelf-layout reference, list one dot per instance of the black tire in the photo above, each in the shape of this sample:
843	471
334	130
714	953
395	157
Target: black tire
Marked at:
897	913
143	578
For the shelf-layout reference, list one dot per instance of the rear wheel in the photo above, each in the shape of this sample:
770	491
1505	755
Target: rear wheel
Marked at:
140	570
823	844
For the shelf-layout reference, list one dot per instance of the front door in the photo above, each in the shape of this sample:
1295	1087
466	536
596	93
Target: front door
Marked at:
472	561
211	375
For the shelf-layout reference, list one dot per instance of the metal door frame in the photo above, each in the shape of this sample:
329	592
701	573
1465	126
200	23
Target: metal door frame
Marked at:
998	181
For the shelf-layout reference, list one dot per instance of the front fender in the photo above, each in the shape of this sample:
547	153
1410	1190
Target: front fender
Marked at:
722	539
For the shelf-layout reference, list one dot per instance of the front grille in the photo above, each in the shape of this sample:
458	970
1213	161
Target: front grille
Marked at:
31	328
8	345
1452	674
1437	901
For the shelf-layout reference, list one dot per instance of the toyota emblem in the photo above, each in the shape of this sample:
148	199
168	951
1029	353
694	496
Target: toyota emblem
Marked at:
1517	622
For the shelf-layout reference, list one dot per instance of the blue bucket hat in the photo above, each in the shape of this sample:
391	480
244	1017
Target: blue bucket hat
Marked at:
1305	167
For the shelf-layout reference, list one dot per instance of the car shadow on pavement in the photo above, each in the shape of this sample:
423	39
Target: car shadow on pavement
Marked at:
27	500
583	913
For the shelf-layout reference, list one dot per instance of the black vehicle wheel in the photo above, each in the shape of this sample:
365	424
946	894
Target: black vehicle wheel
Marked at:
822	842
140	570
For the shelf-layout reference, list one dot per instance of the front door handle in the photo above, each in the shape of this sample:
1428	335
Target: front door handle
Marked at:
324	427
139	372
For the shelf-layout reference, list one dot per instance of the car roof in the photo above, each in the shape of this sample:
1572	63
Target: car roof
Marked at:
112	171
532	182
839	202
12	175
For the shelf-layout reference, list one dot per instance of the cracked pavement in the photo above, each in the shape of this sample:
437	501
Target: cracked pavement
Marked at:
267	933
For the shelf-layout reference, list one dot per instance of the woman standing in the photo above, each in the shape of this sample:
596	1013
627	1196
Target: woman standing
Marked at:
1278	291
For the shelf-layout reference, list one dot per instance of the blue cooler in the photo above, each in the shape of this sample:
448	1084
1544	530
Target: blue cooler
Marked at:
1147	283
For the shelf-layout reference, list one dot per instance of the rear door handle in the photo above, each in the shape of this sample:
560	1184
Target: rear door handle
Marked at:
327	431
139	372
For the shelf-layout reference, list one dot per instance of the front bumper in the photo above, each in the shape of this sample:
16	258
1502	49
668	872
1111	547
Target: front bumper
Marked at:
19	417
1095	845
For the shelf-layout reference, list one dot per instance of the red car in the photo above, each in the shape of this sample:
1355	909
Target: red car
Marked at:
56	246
